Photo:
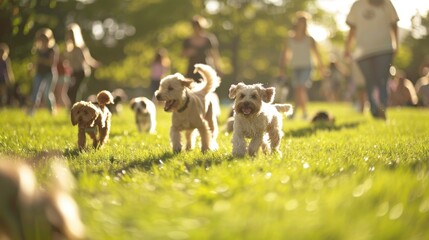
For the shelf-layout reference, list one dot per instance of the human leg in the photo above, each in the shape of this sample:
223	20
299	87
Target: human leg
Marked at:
36	92
382	65
301	82
367	68
3	94
76	80
49	92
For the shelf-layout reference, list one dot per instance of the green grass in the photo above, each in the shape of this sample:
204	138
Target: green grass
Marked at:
361	179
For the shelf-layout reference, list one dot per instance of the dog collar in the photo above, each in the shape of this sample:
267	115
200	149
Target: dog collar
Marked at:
186	104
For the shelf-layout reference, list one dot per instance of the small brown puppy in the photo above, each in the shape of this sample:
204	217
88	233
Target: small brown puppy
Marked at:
256	118
145	113
28	212
323	117
92	118
192	107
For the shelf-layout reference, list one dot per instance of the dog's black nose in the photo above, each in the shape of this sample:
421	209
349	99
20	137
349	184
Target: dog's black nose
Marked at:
158	97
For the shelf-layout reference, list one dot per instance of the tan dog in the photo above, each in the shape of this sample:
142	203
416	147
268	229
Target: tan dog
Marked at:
256	118
27	212
192	107
145	113
92	118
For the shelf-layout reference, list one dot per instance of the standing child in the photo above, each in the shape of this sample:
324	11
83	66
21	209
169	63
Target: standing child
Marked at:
80	60
6	74
62	85
46	53
298	50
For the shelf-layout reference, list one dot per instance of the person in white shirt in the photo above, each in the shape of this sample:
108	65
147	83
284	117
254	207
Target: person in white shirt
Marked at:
373	28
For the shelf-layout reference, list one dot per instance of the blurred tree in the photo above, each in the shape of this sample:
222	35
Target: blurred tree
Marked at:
123	35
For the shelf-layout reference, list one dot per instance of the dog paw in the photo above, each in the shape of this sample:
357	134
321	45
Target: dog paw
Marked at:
238	153
177	149
278	153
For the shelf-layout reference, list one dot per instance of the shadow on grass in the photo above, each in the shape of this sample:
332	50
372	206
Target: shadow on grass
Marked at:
312	129
71	152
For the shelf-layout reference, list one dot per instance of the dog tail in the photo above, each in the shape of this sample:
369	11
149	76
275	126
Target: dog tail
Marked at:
104	97
212	80
284	108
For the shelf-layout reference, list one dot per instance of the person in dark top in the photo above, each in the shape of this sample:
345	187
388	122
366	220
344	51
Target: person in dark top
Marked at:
6	74
201	47
46	54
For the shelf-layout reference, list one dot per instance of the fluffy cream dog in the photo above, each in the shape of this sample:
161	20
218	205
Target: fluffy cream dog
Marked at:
145	113
92	118
192	107
256	118
28	212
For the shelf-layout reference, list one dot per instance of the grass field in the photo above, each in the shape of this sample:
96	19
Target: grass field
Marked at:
361	179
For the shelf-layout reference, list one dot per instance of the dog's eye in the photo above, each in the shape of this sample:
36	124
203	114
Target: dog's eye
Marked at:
242	96
254	96
170	88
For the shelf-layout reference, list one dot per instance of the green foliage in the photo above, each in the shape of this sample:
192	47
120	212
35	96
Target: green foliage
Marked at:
403	57
418	47
359	179
23	75
249	42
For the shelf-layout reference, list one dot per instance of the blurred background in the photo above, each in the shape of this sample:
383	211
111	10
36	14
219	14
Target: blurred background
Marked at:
124	35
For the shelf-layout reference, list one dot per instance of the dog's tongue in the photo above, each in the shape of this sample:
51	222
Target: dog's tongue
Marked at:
168	105
246	110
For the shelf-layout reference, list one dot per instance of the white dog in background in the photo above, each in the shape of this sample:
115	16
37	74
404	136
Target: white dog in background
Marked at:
255	117
193	107
145	114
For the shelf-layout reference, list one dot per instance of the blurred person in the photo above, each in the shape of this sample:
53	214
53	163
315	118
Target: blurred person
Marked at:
360	87
297	53
424	66
159	68
422	88
401	91
80	60
332	85
201	47
373	28
7	78
46	52
62	86
423	95
424	80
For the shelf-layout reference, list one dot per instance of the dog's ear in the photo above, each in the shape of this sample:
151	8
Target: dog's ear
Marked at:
117	99
105	97
268	94
233	90
73	112
186	82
